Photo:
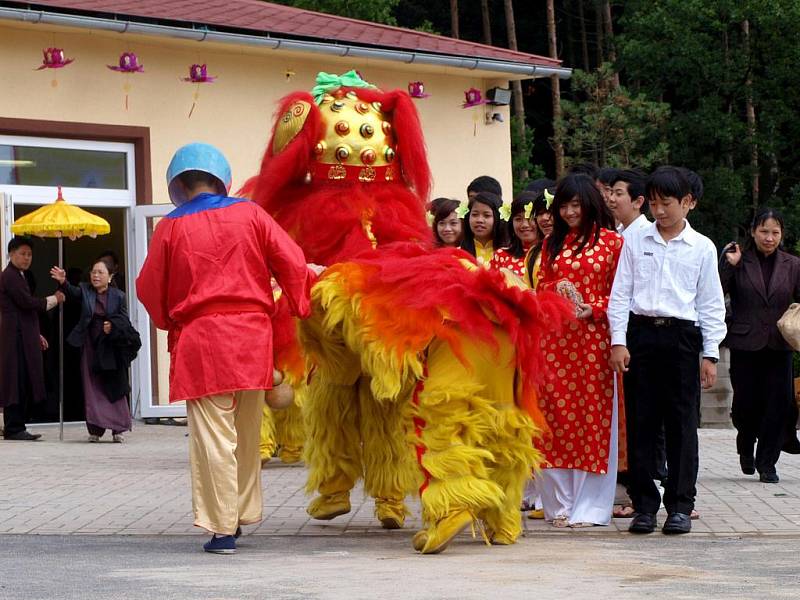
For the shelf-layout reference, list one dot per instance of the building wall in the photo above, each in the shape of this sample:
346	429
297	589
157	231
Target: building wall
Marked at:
235	113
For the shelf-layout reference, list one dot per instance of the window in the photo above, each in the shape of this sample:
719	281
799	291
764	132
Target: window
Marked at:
67	167
91	173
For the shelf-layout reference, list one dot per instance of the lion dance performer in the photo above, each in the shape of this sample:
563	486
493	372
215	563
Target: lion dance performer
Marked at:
421	366
206	281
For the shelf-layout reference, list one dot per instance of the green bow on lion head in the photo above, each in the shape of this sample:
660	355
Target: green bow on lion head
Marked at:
327	82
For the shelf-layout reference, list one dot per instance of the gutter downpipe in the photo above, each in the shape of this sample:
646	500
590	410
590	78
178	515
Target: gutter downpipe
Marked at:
274	43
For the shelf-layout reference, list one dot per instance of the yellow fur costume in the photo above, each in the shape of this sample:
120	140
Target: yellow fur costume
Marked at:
282	430
420	366
371	408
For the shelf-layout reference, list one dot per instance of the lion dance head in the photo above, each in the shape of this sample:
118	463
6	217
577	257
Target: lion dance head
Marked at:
345	170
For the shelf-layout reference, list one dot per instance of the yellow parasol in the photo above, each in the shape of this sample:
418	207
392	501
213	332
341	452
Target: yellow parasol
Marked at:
60	220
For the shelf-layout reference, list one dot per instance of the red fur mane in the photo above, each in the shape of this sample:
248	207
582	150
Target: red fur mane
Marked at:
327	218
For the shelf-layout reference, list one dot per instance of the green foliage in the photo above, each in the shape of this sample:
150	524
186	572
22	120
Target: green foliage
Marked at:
609	126
694	55
427	27
684	67
521	156
377	11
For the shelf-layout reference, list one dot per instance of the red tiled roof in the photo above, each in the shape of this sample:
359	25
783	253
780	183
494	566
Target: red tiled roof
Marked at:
255	15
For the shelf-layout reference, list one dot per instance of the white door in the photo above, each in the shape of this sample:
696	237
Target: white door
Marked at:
151	395
6	218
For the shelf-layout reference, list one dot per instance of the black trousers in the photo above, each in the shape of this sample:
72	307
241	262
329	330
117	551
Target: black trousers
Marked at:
662	390
763	400
15	415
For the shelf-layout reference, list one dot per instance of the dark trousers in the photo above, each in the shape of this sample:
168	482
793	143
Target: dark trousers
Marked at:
763	401
15	415
14	418
662	390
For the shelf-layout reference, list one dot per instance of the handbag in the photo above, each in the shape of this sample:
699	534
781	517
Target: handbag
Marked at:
789	326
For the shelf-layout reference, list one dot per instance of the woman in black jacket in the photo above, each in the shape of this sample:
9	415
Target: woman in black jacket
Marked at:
762	281
105	387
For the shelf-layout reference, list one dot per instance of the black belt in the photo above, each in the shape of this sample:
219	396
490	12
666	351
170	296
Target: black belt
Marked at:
658	321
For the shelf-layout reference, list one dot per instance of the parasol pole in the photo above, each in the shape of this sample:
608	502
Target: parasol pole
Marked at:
60	349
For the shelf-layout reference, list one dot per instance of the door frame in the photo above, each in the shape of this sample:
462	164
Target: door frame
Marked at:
144	389
141	182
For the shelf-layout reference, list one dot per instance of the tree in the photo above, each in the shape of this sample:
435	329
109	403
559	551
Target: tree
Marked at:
611	127
377	11
521	149
558	144
454	19
584	37
727	70
608	30
516	86
486	23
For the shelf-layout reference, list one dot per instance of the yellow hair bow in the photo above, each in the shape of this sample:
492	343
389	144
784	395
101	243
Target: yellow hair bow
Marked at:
463	209
548	199
528	210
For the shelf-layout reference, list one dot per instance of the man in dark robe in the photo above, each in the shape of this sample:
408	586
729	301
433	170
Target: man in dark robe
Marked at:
21	343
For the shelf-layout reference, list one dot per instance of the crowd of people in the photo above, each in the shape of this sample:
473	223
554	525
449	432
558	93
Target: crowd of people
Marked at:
621	394
622	398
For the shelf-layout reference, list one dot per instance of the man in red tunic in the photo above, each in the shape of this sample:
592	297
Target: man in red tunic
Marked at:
206	281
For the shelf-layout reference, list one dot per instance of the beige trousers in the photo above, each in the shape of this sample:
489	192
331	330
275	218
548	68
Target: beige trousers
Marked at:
224	433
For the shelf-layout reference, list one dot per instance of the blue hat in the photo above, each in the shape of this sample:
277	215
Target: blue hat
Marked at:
197	157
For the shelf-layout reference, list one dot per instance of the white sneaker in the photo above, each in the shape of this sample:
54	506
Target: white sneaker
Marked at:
117	437
93	438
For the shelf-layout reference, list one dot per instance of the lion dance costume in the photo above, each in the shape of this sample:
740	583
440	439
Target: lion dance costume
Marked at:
420	366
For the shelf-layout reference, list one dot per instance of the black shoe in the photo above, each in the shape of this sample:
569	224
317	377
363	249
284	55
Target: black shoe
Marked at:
238	533
748	464
23	436
677	523
643	523
224	544
792	446
768	477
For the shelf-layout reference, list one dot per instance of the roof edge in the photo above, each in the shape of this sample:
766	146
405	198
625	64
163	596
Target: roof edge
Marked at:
130	25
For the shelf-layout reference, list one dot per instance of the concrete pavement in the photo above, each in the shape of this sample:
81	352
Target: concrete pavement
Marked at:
141	487
99	521
356	567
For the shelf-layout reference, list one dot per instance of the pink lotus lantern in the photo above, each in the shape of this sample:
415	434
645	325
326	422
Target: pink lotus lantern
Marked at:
54	59
472	97
416	89
199	74
128	63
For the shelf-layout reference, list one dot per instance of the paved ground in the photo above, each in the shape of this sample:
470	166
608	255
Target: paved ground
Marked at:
114	520
141	487
365	567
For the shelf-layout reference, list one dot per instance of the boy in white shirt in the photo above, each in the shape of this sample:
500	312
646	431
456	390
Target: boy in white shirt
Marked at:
666	307
626	201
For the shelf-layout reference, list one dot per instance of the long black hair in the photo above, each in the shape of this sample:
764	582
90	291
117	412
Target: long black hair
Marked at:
494	202
539	207
515	246
594	214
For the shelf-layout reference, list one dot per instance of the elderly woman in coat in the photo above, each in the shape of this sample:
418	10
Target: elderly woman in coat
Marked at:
762	281
103	314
